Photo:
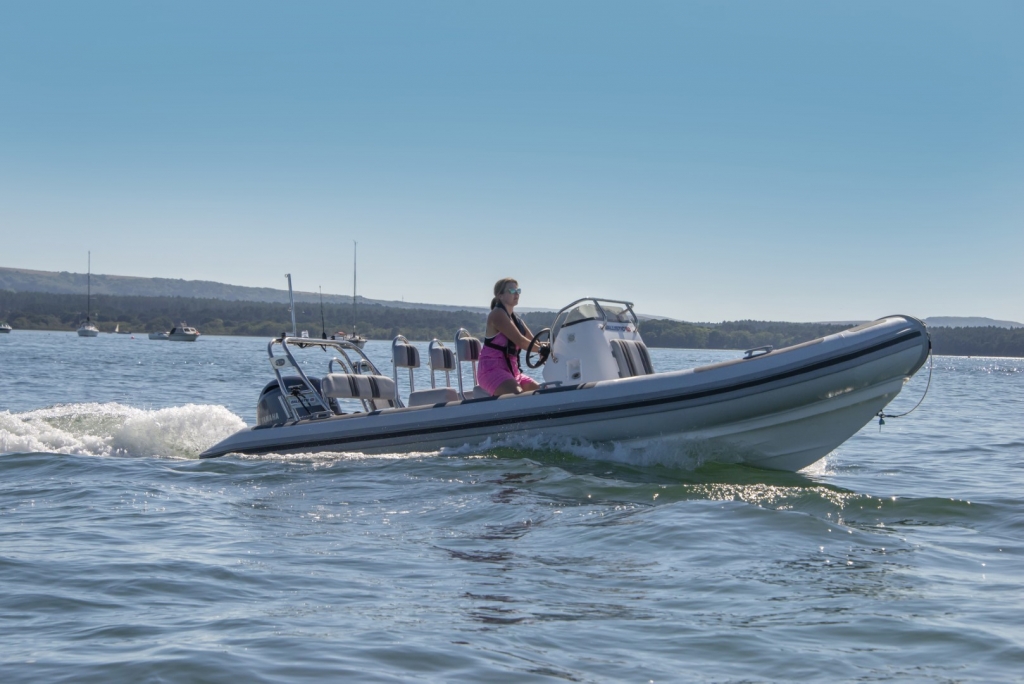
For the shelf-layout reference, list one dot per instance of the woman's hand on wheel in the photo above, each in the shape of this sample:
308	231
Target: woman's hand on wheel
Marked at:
543	349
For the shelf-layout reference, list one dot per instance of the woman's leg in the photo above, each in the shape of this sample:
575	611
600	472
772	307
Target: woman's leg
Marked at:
528	384
510	386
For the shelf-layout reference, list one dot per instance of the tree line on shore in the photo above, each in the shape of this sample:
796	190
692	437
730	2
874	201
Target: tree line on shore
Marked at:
45	311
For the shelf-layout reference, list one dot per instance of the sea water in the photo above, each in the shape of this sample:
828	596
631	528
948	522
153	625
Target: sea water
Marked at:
125	558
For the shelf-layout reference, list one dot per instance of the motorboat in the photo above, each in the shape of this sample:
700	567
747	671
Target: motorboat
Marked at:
87	329
159	335
183	333
4	328
352	338
781	409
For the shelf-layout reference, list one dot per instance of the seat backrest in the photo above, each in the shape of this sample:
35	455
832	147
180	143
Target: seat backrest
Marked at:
441	359
404	355
632	357
378	389
467	350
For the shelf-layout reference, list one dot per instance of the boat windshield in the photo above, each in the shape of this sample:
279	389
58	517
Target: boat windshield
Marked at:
588	311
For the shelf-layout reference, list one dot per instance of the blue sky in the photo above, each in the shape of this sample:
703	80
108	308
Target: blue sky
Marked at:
706	160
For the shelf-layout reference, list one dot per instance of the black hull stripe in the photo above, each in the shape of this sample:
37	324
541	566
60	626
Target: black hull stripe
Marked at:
555	414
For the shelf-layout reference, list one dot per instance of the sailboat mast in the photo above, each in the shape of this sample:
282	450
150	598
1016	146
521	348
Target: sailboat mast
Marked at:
355	252
88	289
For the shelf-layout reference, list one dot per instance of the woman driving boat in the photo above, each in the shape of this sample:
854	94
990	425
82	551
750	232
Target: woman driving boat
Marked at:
498	370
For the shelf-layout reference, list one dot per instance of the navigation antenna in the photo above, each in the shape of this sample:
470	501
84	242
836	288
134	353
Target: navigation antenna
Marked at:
323	326
291	303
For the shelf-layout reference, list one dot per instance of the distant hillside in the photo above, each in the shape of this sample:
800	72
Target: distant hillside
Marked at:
664	332
48	311
969	322
63	282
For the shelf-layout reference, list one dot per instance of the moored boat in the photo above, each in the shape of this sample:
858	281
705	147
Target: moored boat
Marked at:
352	338
779	409
87	329
159	335
4	328
183	333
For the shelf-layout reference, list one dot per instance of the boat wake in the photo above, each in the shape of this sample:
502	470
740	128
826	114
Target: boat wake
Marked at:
113	429
116	430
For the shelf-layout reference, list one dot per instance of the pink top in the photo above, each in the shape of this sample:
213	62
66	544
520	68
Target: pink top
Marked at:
492	369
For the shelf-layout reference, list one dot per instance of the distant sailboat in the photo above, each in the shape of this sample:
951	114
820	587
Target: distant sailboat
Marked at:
354	337
87	329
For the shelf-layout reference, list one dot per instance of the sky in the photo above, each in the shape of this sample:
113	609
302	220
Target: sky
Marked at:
800	161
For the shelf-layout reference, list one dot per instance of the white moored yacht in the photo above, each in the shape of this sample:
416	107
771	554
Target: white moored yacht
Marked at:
350	337
780	409
183	333
353	337
87	329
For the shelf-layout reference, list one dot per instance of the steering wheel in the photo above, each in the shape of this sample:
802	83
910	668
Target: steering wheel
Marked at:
542	352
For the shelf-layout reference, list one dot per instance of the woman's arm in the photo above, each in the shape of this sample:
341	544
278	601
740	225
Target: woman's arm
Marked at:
500	321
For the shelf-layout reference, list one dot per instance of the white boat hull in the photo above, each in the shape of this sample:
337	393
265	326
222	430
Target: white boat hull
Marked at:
183	333
88	331
783	410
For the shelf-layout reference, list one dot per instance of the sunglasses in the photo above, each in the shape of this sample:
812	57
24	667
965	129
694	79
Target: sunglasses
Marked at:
514	290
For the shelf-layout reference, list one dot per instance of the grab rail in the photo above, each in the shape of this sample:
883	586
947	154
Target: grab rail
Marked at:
279	363
758	351
563	314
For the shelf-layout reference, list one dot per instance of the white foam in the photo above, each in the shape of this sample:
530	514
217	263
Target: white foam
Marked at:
330	457
186	431
115	429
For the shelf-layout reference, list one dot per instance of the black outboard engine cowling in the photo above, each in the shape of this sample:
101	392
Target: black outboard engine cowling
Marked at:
271	409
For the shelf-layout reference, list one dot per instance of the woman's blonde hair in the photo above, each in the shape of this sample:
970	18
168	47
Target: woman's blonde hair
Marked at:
499	287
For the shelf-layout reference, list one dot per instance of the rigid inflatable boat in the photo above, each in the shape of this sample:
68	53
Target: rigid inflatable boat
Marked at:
781	409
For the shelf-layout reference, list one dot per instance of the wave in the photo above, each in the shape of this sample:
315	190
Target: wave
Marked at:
113	429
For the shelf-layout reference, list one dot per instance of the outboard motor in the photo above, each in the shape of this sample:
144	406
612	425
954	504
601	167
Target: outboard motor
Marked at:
271	409
593	340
